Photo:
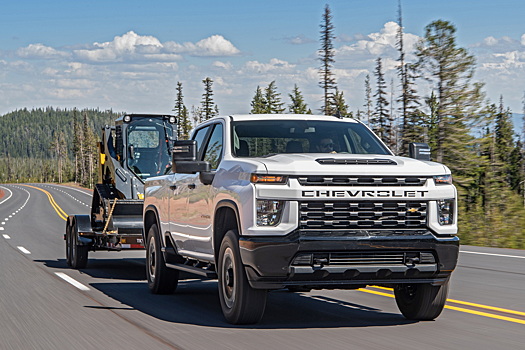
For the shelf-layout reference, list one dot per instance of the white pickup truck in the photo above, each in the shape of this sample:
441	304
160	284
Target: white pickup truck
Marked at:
265	202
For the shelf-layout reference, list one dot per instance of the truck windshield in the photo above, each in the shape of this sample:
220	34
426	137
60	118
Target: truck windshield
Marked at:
264	138
148	145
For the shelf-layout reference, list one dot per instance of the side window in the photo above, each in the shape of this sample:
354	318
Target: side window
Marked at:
200	136
213	151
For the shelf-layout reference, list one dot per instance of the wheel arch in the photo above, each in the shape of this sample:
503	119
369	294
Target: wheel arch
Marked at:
151	216
226	218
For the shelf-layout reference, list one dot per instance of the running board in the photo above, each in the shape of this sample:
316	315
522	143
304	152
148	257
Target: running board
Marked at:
192	269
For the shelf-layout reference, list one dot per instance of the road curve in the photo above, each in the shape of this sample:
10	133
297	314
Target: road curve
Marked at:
45	305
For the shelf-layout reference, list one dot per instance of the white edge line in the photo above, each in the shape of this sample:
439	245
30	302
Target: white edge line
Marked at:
71	281
10	194
491	254
23	250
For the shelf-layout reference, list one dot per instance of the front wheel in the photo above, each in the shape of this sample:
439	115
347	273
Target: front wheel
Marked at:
161	279
421	301
240	303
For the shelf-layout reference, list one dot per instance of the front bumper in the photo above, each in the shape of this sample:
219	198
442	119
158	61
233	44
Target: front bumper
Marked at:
342	260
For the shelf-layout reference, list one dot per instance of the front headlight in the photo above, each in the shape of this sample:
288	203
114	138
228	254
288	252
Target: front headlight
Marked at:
269	212
443	179
445	211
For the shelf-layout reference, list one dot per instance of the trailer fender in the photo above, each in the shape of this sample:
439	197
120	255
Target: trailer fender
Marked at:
83	226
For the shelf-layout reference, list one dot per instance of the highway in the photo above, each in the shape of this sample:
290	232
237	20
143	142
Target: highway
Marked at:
46	305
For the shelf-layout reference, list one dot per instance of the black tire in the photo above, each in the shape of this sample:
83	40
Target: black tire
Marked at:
68	244
161	279
422	302
76	255
240	303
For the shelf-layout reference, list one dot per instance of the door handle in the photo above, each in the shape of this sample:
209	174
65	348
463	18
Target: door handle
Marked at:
173	187
192	186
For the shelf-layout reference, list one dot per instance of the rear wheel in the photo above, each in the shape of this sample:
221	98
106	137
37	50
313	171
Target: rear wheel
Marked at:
421	301
76	255
240	303
161	279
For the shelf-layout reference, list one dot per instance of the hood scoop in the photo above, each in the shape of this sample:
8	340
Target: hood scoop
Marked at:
356	161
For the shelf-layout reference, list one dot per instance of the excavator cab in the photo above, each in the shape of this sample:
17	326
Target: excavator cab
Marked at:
136	148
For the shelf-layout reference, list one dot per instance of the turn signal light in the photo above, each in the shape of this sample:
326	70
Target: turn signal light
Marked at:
276	179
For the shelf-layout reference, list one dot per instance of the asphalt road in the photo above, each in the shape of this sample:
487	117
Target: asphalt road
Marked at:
108	305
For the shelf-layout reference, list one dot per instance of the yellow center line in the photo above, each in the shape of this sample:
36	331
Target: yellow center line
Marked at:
481	306
61	213
479	313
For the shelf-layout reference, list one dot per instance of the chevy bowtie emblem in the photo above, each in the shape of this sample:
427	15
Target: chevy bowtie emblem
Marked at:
412	210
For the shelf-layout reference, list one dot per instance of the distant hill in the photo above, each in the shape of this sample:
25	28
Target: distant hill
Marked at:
29	133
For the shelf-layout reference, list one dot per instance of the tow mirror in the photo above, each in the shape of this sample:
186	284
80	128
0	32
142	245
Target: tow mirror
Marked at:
420	151
131	152
184	150
184	155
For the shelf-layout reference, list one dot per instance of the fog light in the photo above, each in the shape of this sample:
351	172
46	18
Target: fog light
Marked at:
445	211
269	212
303	259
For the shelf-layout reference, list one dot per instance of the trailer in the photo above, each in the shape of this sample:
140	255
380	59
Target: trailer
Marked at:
136	148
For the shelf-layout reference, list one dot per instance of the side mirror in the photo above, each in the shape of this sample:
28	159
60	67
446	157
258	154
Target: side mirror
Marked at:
184	167
184	155
184	150
420	151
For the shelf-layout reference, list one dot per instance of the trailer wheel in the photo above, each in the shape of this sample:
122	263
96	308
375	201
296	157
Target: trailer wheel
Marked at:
421	301
76	255
68	244
161	279
240	303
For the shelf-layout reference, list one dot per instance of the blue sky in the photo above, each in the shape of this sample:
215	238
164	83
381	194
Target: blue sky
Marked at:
128	55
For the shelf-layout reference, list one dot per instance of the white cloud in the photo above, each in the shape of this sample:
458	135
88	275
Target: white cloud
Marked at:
299	40
134	47
274	66
40	51
213	46
222	65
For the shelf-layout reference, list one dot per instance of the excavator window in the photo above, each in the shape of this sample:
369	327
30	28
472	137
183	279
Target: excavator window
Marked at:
147	153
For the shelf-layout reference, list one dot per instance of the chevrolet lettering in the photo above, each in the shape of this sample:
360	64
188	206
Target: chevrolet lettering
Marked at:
361	194
301	202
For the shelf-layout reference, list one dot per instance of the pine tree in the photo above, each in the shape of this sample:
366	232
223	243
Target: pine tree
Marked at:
504	141
327	53
413	120
381	118
368	101
208	106
298	106
258	102
273	99
340	105
450	70
181	112
410	128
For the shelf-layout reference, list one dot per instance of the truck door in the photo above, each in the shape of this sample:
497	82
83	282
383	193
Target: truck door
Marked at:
181	186
200	196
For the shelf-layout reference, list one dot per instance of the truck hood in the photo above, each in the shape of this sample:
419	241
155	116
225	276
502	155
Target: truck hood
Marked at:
349	164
